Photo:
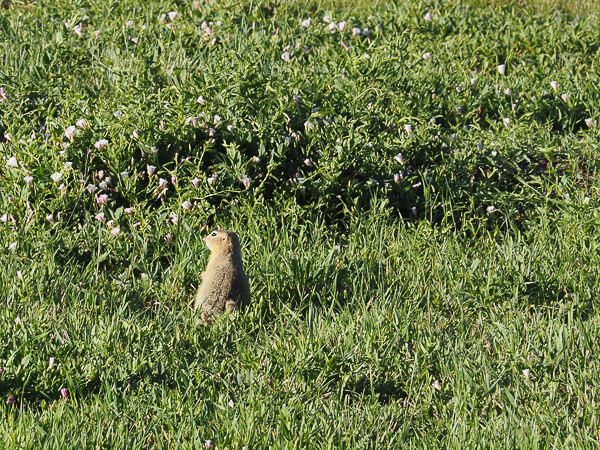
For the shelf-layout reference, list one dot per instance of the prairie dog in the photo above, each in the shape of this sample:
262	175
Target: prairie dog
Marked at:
224	283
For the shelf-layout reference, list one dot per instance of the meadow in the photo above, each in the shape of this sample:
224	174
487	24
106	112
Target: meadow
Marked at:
414	185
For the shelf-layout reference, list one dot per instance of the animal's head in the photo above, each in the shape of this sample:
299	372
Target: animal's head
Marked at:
223	240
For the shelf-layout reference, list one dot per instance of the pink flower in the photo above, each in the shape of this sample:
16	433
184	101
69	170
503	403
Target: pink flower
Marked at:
3	94
102	143
64	392
173	15
128	210
428	17
285	56
565	97
501	69
80	123
8	137
343	44
356	31
342	25
100	217
308	162
397	178
212	131
50	218
196	182
174	180
129	23
78	29
102	199
255	160
245	181
491	209
97	33
186	205
110	224
115	232
11	399
427	55
169	238
306	23
70	132
208	31
28	180
554	85
162	18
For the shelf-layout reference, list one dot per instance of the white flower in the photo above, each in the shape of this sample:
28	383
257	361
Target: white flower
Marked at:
70	132
507	91
50	218
413	211
124	174
306	23
3	94
428	17
491	209
136	134
162	18
212	180
245	181
308	162
501	69
201	100
56	176
217	120
399	158
28	180
565	97
473	82
101	144
285	56
365	32
506	121
366	56
97	33
8	137
458	87
212	131
427	55
62	187
332	27
100	217
436	385
397	178
129	24
67	164
115	232
20	275
91	188
255	160
12	246
196	182
78	29
118	114
150	170
174	217
326	19
102	199
186	205
12	162
80	123
494	153
525	373
342	25
408	128
3	218
162	183
554	85
590	123
173	15
356	31
586	200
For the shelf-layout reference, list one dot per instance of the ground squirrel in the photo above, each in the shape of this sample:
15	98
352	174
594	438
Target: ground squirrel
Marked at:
224	283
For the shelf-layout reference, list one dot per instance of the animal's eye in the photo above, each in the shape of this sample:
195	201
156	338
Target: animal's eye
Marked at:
214	234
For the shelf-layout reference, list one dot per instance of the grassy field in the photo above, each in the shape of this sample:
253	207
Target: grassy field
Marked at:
414	185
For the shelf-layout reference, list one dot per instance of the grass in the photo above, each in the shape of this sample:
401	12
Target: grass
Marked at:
444	298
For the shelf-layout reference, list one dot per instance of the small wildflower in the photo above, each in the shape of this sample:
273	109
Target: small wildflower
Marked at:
458	87
245	181
285	56
162	18
3	94
78	29
67	164
150	170
56	176
342	26
525	373
102	143
80	123
356	31
116	232
453	137
507	91
326	19
128	210
479	146
436	385
296	99
196	182
100	217
162	183
12	162
20	275
408	128
332	27
413	211
8	137
229	127
399	158
70	132
169	238
366	56
173	15
124	174
366	32
11	399
64	392
62	187
428	17
473	82
491	209
306	23
554	85
565	97
494	153
91	188
207	444
136	134
102	199
186	205
200	100
3	218
50	218
427	55
506	121
590	123
118	114
586	201
154	150
129	24
97	33
174	180
501	69
416	185
12	246
212	131
28	180
397	178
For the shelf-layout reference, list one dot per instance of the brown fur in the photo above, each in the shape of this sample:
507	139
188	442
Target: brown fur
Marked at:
224	283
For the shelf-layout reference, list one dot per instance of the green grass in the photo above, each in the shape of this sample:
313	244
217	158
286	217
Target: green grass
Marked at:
454	306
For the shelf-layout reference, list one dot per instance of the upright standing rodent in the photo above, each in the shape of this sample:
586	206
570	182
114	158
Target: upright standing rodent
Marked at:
224	283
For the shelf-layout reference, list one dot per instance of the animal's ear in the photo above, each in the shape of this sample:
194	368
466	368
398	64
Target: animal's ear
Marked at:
218	227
